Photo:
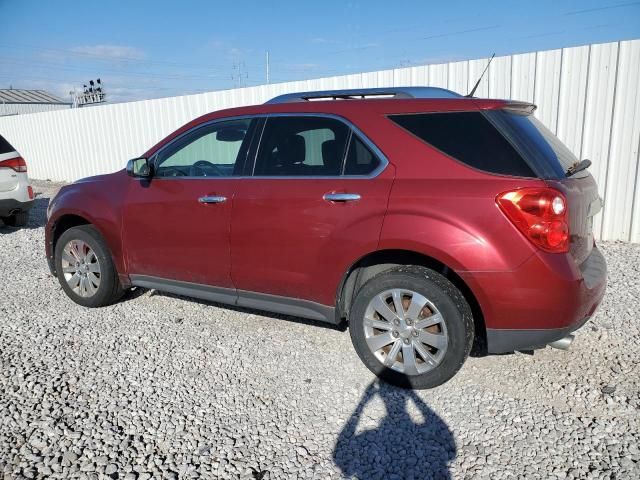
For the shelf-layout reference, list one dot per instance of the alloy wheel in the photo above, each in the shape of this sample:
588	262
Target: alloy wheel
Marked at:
405	331
81	268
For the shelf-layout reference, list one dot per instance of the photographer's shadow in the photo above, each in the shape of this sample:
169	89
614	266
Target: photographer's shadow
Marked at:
398	447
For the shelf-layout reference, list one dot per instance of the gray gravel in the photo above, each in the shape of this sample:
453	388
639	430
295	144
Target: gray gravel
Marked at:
158	386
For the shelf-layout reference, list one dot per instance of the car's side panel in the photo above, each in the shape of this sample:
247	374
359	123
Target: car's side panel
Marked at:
99	200
287	240
458	223
168	233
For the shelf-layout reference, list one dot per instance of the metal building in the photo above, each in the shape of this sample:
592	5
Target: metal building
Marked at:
18	101
588	95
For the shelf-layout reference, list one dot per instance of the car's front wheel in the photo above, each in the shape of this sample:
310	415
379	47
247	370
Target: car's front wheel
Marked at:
412	327
85	269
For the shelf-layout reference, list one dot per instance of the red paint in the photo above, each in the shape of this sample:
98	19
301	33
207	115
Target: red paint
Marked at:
279	236
287	240
167	233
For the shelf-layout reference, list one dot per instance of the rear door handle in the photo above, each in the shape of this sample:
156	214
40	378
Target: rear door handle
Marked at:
212	199
341	197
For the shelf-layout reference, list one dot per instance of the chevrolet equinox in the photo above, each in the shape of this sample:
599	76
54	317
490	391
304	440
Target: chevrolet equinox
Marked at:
428	222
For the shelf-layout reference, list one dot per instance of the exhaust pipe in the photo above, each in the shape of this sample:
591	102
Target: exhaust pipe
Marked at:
563	343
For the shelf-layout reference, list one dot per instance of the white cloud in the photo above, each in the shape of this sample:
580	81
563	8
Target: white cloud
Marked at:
115	52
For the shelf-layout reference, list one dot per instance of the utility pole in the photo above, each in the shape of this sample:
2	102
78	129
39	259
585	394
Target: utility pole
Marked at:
268	67
239	75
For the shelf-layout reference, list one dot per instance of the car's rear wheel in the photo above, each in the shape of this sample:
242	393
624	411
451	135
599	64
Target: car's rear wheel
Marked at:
412	327
85	269
19	219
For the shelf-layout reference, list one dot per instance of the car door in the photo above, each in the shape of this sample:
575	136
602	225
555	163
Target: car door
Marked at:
314	205
176	225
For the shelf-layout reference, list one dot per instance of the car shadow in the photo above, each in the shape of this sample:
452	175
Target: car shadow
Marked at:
399	446
37	216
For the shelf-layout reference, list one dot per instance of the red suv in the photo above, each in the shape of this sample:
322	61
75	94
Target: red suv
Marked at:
426	221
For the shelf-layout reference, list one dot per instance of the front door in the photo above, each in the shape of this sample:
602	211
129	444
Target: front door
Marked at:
314	205
176	225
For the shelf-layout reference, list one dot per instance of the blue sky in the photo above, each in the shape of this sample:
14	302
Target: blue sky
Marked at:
148	49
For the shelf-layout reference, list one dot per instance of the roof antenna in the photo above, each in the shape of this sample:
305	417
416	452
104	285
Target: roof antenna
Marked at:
475	87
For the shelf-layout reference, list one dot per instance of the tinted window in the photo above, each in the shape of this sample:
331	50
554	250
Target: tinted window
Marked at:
301	146
468	137
5	147
543	151
210	151
360	160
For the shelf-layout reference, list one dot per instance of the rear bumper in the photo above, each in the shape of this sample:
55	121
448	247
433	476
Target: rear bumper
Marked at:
545	299
10	206
504	340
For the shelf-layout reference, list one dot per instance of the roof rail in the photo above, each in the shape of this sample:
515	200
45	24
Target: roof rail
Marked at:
366	93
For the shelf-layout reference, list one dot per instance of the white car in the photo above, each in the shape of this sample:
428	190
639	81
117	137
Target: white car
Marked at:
16	194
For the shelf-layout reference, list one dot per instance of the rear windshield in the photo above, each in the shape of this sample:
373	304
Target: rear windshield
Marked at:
548	156
495	141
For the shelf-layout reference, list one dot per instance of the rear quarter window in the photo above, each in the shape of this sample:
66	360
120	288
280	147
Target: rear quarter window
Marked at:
5	147
469	138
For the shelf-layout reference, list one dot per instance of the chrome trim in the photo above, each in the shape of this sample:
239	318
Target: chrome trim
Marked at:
214	199
564	343
384	161
341	197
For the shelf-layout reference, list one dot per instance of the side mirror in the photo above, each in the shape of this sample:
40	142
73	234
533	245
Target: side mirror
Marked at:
139	167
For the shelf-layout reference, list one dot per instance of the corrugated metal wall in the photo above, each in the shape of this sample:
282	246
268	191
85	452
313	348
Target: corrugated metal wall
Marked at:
589	96
24	108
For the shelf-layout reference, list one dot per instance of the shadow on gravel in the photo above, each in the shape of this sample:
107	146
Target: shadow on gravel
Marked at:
37	216
399	447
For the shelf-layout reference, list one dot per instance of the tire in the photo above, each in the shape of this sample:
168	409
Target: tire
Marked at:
108	290
453	333
19	219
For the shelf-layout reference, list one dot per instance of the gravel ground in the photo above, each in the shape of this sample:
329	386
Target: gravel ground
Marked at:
158	386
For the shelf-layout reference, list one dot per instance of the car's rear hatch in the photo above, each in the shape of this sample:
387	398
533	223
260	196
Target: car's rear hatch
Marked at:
550	159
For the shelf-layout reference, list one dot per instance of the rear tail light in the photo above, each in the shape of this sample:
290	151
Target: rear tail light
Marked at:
30	191
540	214
18	164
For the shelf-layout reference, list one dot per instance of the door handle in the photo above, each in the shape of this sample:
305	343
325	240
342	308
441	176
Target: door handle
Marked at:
341	197
212	199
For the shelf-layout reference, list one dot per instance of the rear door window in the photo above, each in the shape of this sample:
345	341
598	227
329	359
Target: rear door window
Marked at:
468	137
302	146
360	159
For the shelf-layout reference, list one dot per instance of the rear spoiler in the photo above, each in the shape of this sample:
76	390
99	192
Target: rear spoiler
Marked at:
519	108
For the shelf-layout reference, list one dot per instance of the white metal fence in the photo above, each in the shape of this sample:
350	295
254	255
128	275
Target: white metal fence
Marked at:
589	96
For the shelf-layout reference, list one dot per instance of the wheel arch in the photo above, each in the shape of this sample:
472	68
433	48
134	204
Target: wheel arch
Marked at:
64	223
379	261
72	219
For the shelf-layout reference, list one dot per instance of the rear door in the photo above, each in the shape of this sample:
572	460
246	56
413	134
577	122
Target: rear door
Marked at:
176	225
313	205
